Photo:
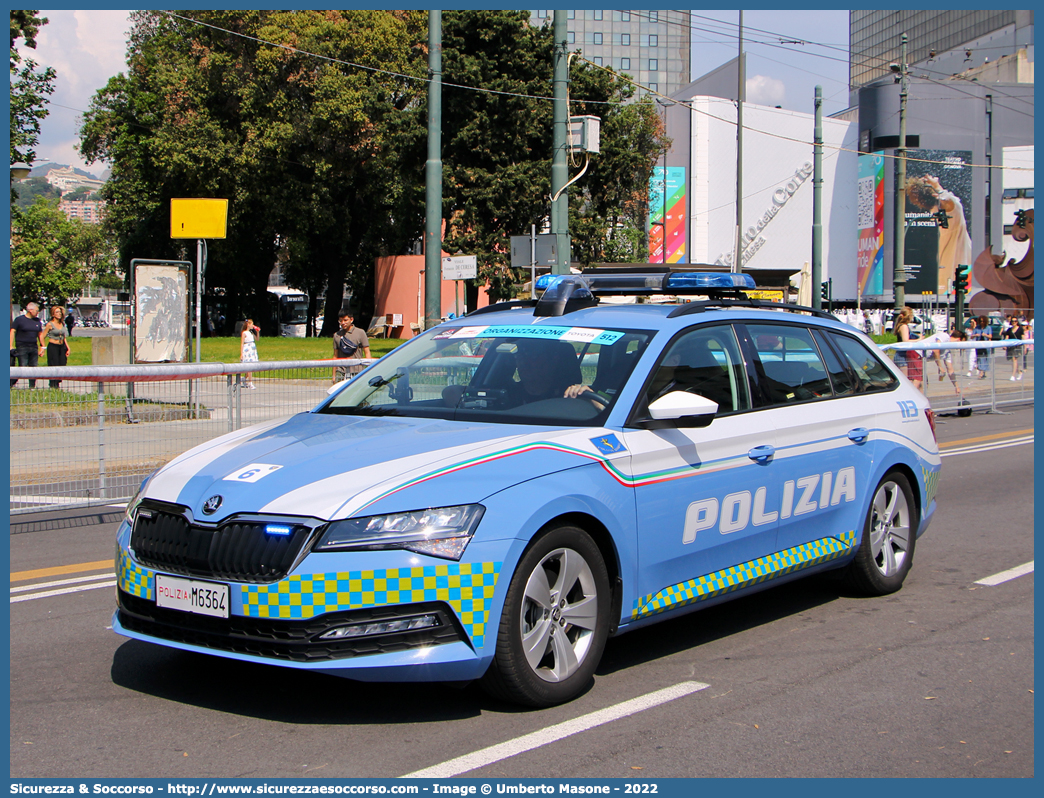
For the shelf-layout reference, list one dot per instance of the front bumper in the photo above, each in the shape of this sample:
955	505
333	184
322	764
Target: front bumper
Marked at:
283	622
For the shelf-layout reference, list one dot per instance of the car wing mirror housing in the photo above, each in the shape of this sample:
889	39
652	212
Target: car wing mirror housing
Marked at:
680	409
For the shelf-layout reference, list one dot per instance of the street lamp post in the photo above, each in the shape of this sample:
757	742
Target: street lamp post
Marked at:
899	259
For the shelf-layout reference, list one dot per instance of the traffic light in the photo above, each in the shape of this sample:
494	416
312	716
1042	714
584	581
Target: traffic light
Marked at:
942	219
960	280
824	290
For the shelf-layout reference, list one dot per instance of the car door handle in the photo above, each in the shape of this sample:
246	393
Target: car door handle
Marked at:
761	454
859	434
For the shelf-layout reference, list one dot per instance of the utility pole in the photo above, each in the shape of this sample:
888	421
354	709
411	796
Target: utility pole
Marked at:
817	199
737	265
899	259
433	179
560	140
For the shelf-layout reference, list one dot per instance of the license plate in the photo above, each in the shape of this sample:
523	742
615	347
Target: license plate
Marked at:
187	595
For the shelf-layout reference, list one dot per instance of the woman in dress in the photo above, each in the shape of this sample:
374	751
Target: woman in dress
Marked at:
54	333
909	361
248	349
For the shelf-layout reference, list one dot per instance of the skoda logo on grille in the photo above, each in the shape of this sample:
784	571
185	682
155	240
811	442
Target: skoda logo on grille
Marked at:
211	504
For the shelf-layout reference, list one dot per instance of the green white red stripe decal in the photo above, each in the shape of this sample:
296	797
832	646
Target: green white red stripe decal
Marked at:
627	480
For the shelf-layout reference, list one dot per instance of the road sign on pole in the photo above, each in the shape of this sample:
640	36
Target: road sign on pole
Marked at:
461	267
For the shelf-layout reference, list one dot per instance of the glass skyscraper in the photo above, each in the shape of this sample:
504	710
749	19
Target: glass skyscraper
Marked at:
651	46
875	38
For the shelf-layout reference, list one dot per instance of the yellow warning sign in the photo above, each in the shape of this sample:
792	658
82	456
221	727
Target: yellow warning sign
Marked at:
198	218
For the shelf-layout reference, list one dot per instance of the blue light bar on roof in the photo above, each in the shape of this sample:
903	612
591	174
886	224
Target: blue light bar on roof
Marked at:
680	281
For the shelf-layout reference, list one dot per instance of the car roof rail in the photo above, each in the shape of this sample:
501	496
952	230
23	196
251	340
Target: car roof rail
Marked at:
746	302
510	304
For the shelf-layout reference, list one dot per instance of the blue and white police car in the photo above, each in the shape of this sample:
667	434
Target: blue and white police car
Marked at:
498	496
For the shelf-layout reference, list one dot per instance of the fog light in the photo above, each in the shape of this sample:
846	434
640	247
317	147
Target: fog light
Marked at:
381	627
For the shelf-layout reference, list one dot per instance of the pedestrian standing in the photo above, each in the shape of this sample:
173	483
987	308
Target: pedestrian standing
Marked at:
70	322
349	341
982	332
54	335
908	360
1016	332
248	348
25	339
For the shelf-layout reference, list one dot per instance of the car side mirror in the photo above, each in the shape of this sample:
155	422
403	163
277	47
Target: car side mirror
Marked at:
680	409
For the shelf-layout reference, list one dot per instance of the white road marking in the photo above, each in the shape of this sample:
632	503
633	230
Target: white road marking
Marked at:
528	742
62	591
77	580
1007	576
986	447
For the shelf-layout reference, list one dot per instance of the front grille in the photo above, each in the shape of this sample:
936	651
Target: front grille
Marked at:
293	640
239	551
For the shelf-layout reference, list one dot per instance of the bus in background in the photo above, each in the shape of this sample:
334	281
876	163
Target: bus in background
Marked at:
289	311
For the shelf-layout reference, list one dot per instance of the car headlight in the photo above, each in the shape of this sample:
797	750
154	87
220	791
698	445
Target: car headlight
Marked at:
135	500
440	531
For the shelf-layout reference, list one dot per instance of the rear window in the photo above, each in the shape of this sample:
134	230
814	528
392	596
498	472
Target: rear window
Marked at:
871	373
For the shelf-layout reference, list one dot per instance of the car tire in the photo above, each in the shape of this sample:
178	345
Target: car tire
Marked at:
555	621
889	537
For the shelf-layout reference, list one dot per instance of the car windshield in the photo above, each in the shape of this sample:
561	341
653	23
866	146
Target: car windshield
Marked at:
546	375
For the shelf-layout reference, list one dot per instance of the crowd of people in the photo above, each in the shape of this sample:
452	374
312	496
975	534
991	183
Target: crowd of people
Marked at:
949	362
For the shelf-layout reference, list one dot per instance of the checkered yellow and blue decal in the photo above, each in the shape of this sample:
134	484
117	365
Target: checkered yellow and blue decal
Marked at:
743	575
134	579
930	476
466	587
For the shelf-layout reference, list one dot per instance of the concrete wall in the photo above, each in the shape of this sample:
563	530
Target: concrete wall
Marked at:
108	350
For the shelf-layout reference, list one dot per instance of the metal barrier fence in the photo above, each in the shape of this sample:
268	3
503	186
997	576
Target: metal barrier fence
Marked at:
982	373
93	439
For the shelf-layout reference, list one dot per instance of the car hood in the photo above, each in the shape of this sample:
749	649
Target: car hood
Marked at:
330	466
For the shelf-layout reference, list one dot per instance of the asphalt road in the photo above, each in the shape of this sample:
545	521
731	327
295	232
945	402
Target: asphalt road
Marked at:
802	680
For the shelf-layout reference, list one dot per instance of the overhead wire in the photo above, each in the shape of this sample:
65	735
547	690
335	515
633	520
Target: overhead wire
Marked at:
622	76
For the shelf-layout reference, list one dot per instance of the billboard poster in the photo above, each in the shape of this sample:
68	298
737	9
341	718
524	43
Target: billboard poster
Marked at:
870	218
936	180
161	299
667	214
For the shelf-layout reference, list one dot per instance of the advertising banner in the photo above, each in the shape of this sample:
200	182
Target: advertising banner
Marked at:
936	180
161	310
667	213
870	218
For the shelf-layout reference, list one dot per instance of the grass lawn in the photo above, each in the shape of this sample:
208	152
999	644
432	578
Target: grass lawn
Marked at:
226	350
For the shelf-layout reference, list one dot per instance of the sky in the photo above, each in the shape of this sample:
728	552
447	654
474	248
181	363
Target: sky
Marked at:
86	48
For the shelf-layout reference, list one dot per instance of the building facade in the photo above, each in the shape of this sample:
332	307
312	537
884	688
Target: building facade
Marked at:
940	43
653	47
65	178
91	211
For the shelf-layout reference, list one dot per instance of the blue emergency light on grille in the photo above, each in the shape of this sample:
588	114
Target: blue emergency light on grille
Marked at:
278	529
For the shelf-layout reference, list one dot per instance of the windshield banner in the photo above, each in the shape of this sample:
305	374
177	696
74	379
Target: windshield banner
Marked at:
584	334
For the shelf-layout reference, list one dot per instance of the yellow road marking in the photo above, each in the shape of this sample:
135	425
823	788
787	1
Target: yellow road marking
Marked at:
39	573
995	436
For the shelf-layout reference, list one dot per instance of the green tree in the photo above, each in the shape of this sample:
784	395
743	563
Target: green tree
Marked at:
33	187
53	257
497	147
293	135
29	90
328	114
